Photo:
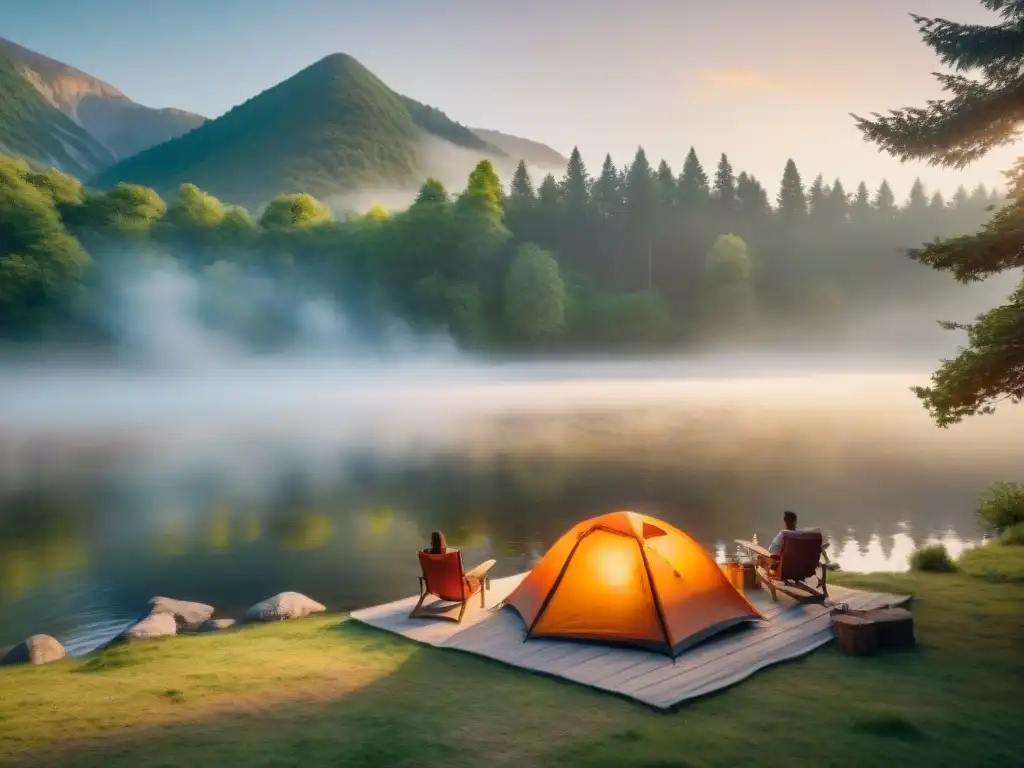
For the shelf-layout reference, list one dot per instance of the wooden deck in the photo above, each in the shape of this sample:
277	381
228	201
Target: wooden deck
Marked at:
792	630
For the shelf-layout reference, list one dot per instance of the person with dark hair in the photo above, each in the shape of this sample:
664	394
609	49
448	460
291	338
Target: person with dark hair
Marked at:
789	520
438	546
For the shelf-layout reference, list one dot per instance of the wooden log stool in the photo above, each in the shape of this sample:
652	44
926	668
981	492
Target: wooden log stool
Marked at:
855	635
895	626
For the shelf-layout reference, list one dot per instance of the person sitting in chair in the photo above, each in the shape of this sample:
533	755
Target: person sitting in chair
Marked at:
438	546
789	520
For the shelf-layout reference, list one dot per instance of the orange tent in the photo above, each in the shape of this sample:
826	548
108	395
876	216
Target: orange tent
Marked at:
629	579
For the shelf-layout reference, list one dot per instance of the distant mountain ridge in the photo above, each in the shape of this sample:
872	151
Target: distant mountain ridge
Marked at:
533	152
331	129
121	125
336	129
32	128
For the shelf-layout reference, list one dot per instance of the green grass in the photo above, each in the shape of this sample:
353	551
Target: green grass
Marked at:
995	562
331	692
1013	536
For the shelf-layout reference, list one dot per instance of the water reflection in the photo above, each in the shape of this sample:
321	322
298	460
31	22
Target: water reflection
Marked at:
873	552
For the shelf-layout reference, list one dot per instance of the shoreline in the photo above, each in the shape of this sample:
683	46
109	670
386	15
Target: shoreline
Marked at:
108	630
261	693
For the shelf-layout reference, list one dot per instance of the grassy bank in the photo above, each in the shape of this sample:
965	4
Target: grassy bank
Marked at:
327	691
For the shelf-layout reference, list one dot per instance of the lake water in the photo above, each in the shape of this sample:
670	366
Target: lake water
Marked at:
227	486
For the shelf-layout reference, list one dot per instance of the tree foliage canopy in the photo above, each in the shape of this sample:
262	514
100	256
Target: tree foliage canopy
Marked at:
639	257
294	212
534	295
980	113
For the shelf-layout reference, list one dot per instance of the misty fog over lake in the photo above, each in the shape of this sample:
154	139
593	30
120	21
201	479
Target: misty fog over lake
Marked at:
230	483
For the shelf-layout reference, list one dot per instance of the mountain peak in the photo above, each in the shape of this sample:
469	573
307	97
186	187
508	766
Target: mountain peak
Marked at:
33	128
326	129
341	71
339	61
330	129
62	85
121	126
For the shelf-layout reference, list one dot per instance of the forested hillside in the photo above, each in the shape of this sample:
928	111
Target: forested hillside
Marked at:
330	129
638	257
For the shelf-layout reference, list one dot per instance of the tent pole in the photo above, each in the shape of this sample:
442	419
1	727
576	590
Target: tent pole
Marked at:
554	586
657	600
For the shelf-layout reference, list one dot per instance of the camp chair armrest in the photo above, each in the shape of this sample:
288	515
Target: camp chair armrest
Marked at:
481	570
753	548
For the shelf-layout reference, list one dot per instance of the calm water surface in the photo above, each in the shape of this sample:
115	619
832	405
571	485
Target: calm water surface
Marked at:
227	487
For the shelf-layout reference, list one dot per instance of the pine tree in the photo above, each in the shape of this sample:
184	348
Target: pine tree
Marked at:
979	197
549	210
521	203
521	192
885	200
917	202
961	199
751	198
549	195
665	183
605	192
724	190
938	212
762	195
980	114
479	213
792	201
838	203
817	199
640	190
860	209
575	187
692	189
483	192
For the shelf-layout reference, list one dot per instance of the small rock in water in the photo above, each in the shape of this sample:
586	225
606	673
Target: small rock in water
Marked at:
153	626
186	614
37	649
287	605
213	625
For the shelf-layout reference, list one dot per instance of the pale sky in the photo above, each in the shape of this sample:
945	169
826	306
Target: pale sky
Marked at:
759	80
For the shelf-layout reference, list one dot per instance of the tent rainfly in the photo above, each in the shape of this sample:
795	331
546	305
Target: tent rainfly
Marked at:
628	579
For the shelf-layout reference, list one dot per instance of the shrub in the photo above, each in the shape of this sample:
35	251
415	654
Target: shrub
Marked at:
1013	536
934	559
1001	505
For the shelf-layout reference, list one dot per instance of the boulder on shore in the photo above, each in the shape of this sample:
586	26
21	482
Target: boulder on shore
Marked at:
151	627
186	614
287	605
37	649
214	625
